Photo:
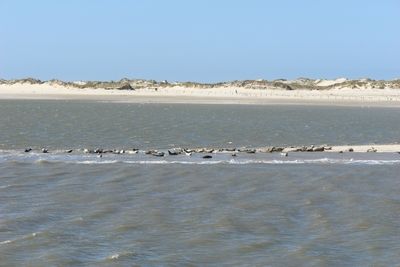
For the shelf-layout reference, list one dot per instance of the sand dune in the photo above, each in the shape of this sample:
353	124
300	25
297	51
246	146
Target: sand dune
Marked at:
340	91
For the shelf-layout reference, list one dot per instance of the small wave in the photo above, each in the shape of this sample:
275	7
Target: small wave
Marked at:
29	236
374	162
116	256
90	162
211	162
246	162
5	242
113	257
41	159
44	161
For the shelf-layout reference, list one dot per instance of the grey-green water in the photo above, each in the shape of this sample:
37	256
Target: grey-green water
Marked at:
74	209
60	124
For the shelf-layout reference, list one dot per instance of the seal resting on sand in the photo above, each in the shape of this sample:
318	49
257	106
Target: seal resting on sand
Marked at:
173	152
158	154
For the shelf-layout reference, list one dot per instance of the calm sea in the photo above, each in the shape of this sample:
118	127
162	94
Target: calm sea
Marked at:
308	209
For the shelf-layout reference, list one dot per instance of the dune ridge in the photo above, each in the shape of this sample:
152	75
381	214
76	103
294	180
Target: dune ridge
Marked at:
307	91
279	84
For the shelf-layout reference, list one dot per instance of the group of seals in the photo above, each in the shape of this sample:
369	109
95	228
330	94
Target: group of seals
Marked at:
284	151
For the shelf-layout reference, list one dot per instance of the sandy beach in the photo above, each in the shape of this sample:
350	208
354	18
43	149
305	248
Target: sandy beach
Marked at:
215	95
373	148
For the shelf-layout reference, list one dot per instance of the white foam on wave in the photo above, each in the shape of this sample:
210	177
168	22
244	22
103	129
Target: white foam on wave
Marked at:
28	236
94	159
5	242
89	162
155	162
119	255
373	162
244	162
114	257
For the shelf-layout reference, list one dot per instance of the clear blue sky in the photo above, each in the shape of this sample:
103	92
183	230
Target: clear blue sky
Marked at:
202	40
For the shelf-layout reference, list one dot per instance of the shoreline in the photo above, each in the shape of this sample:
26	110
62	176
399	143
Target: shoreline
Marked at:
173	151
223	95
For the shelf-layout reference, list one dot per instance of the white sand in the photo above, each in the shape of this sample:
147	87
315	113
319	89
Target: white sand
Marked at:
331	82
345	96
381	148
368	148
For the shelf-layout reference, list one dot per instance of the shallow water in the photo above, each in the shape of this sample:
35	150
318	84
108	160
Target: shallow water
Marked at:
308	209
77	124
